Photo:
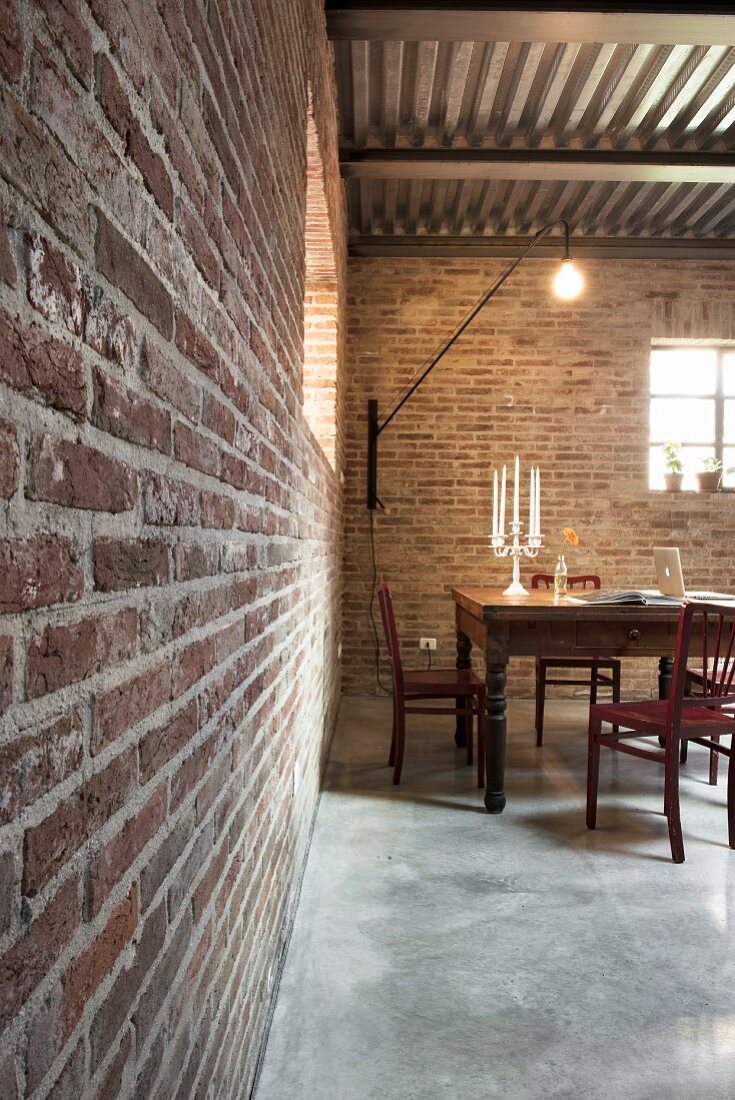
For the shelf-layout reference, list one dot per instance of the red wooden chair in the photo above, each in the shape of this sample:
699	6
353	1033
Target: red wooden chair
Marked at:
693	683
603	671
702	718
461	685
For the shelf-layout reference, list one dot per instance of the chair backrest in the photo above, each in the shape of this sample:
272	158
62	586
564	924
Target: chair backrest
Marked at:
391	637
546	580
706	630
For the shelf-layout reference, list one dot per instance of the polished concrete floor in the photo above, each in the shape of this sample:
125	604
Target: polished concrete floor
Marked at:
442	952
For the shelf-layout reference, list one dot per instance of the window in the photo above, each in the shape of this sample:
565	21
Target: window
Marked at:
321	303
692	403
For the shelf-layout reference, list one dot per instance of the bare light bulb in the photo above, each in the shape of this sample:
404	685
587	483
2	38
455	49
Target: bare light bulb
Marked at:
568	282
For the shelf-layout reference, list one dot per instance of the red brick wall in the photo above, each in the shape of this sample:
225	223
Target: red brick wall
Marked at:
564	386
170	542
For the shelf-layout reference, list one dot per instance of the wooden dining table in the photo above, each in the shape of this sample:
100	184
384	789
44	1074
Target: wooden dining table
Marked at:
541	624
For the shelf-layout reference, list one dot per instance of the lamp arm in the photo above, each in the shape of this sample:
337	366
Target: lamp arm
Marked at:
374	427
479	304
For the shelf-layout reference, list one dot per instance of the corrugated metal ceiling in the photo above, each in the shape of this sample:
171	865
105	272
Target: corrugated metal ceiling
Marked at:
408	107
532	94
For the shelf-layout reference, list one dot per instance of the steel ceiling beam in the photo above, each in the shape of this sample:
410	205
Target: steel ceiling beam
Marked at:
612	248
486	22
610	166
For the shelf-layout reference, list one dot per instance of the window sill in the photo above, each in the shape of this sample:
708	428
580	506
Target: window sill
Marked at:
693	492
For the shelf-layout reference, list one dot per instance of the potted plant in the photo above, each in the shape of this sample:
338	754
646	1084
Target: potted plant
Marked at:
709	477
674	468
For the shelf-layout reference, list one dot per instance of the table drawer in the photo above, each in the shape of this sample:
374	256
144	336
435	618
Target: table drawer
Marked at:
626	637
535	638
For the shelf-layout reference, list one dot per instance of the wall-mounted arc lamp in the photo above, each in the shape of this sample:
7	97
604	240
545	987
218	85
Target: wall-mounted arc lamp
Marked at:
567	285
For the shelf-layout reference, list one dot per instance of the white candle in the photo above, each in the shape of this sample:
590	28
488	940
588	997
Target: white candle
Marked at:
538	501
495	502
502	505
516	500
531	505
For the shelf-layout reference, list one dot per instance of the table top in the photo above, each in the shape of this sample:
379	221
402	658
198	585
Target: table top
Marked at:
490	604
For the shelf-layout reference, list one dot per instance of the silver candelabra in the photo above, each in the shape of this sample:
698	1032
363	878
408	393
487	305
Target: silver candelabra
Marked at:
516	549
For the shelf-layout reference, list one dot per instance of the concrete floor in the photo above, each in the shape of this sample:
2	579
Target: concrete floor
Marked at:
442	952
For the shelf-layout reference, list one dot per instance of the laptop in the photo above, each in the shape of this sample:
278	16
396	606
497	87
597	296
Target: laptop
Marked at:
667	561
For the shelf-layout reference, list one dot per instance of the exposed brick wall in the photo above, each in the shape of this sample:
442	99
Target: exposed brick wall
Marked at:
564	386
170	533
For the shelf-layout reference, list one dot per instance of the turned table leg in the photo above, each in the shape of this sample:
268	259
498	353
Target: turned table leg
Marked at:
665	669
495	733
464	660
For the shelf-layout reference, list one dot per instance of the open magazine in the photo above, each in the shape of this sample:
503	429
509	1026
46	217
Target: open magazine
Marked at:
642	597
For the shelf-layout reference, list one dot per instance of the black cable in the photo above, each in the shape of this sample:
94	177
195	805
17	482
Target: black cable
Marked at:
372	604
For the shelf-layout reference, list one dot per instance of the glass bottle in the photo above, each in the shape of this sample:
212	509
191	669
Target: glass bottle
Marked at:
560	577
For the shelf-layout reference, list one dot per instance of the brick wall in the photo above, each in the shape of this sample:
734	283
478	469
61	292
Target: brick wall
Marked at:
170	534
564	386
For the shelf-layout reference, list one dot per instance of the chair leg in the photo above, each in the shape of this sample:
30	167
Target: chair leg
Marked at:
667	786
468	712
481	739
400	744
540	700
671	802
714	760
392	754
593	686
684	751
593	772
731	798
616	689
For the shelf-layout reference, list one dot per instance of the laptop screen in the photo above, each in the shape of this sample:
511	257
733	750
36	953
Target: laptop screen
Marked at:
669	577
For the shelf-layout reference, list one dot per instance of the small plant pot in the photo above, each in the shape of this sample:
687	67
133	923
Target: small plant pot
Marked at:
673	482
708	482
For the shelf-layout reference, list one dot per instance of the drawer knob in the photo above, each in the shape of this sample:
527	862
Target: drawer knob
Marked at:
635	635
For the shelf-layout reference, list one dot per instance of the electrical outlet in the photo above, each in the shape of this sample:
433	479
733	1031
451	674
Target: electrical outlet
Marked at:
427	643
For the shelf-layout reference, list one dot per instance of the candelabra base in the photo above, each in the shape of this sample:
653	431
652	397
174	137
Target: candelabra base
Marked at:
516	550
515	589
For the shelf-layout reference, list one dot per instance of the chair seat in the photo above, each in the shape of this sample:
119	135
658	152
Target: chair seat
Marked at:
694	675
442	682
649	716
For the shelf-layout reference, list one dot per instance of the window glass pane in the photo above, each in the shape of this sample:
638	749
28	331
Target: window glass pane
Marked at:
692	459
728	427
656	468
728	466
683	370
683	419
728	372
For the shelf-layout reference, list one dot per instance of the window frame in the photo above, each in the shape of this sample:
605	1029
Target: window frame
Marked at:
721	349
